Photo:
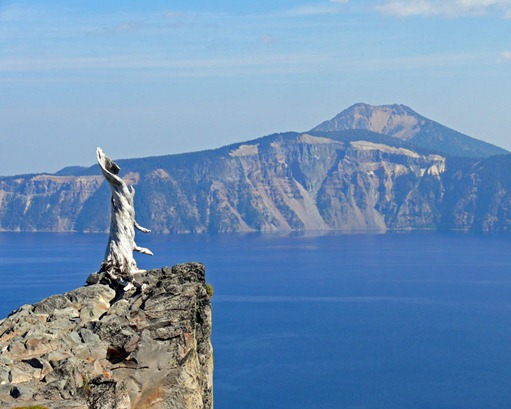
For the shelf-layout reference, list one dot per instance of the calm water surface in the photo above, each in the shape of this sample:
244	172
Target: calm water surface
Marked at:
417	320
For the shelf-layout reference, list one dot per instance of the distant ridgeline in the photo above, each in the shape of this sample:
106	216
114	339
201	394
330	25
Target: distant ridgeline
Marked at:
383	167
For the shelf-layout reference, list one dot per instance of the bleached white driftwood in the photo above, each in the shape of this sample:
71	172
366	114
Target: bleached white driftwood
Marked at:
119	261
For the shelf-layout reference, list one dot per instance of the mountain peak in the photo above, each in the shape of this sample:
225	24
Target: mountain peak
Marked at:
369	106
395	120
401	122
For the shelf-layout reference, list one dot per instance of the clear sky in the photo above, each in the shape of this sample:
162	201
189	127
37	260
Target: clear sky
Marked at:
142	78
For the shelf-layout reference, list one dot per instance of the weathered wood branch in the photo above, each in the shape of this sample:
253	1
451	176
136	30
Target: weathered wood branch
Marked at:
119	261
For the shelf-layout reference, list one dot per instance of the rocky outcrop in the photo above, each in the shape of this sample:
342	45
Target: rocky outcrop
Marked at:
98	347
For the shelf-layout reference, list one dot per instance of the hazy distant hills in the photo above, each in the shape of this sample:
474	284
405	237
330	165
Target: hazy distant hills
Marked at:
368	168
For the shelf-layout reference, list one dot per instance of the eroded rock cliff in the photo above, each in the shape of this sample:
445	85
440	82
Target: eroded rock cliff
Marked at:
98	347
344	174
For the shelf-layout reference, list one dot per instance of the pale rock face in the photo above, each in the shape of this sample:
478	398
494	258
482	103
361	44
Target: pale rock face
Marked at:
282	182
368	146
316	140
98	347
395	120
244	150
384	120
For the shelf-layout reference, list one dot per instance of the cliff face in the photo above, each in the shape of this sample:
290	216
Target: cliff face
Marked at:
478	195
348	180
283	182
99	348
44	202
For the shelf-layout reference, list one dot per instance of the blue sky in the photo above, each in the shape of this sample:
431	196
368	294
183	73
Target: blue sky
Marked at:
151	78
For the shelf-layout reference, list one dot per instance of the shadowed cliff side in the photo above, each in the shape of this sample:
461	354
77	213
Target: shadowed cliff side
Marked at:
98	347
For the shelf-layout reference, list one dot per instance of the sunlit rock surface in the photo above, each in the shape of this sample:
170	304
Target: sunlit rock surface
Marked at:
97	347
369	168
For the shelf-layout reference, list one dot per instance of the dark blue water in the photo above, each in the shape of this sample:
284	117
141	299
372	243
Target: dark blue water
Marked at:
419	320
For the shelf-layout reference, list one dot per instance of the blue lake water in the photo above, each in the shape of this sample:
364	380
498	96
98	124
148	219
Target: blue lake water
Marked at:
410	320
